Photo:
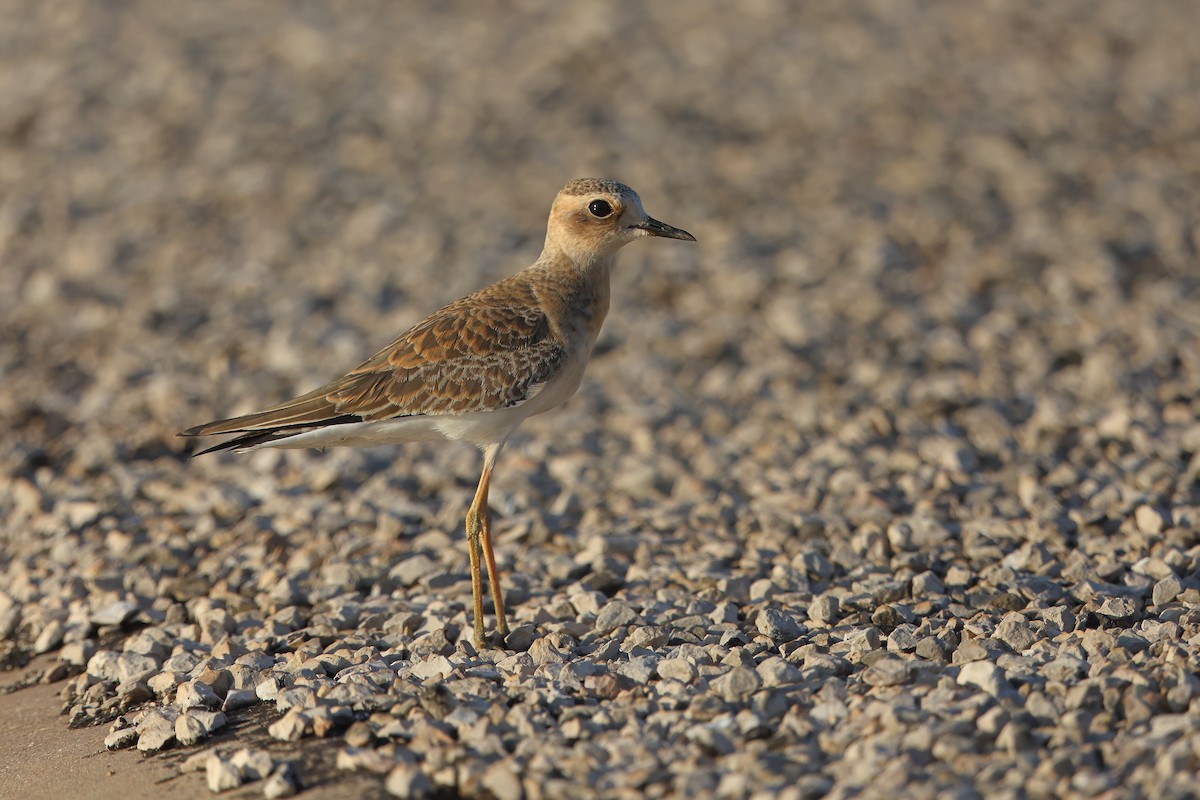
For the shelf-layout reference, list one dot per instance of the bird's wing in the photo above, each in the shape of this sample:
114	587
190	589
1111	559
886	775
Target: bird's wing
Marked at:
491	350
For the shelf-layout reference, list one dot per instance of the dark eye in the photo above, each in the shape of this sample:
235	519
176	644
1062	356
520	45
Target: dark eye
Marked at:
600	208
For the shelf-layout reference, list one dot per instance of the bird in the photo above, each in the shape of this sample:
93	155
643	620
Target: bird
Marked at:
477	368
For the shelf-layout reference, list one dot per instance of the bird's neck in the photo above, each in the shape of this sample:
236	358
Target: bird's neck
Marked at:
582	285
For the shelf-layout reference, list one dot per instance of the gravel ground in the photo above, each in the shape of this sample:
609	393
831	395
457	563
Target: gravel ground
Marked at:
891	486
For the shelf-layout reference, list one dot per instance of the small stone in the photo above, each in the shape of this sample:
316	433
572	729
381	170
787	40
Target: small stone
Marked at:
930	649
763	589
615	614
1148	520
136	667
121	739
195	762
164	683
104	665
239	698
131	693
777	625
155	732
409	571
863	640
115	613
776	671
221	774
146	644
195	724
267	690
405	780
434	667
902	640
283	782
194	694
887	671
219	680
520	638
1065	668
824	609
295	697
725	612
650	637
679	669
1015	738
986	676
1166	590
291	727
711	740
503	780
738	684
50	637
77	653
1015	631
925	584
1118	607
638	669
543	652
252	763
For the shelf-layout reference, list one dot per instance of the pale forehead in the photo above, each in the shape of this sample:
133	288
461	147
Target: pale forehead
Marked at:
588	186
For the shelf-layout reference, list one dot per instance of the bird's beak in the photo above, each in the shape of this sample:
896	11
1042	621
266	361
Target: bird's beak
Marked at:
656	228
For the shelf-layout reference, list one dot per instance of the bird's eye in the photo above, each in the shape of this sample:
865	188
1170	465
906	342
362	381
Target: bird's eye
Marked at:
600	208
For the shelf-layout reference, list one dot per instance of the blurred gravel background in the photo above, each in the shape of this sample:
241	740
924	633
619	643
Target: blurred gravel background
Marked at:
890	486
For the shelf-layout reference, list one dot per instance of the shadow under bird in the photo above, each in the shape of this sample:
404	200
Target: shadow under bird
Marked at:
477	368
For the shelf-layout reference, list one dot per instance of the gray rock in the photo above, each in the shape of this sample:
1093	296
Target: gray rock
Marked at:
775	671
50	637
132	693
1016	631
291	727
777	625
1148	520
521	638
221	775
121	739
638	669
164	683
283	782
115	613
679	669
238	698
104	665
502	779
1119	607
156	731
194	694
410	570
195	724
987	677
1166	590
615	614
887	671
738	684
405	780
252	763
824	609
77	654
902	640
711	740
136	667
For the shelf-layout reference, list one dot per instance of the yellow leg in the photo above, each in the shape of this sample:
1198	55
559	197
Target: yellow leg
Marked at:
493	574
473	534
479	527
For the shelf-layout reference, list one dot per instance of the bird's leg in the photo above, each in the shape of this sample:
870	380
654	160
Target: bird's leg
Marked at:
474	529
479	526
